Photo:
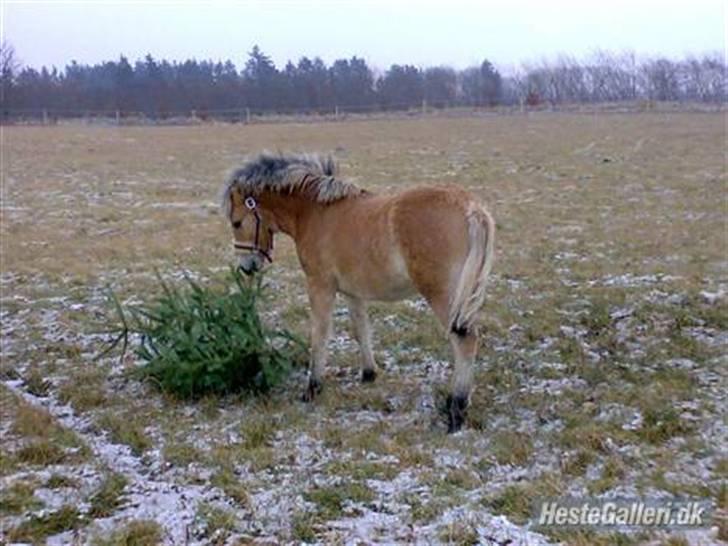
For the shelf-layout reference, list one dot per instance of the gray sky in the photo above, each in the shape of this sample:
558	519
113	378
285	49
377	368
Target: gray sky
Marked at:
423	33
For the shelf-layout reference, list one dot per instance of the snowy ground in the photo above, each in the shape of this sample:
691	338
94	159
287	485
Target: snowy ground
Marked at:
602	369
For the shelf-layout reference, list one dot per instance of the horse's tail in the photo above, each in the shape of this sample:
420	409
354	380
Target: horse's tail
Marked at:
470	290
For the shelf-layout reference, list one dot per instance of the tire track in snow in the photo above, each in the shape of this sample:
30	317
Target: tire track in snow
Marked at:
173	506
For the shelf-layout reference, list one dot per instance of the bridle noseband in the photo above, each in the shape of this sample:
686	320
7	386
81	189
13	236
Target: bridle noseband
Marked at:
252	206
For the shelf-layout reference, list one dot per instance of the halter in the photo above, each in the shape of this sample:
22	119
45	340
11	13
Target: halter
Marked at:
251	205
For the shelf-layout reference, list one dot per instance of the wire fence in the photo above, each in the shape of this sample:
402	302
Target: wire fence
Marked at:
49	116
245	115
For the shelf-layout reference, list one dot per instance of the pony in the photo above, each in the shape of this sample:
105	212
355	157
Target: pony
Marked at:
437	241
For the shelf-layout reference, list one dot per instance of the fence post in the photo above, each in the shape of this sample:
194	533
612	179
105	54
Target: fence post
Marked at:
118	117
45	116
424	106
247	115
336	112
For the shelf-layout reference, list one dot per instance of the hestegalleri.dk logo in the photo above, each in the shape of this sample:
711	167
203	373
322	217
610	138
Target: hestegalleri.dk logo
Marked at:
622	513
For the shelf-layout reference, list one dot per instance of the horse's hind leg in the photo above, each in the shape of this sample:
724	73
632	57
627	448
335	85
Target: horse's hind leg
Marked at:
464	344
363	334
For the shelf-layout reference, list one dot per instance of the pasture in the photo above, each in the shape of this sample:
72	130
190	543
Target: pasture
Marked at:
601	372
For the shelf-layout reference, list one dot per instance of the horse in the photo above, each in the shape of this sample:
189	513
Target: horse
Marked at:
437	241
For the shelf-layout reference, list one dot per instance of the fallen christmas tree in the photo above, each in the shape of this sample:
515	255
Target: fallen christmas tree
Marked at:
195	340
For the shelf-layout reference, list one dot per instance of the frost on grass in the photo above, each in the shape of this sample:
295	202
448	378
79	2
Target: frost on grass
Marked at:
172	505
525	394
601	370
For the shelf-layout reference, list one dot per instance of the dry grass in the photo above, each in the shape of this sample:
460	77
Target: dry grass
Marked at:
84	390
125	429
18	498
134	533
515	162
331	501
512	448
37	528
108	497
601	352
34	437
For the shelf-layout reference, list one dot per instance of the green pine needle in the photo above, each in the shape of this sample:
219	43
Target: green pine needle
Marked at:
197	340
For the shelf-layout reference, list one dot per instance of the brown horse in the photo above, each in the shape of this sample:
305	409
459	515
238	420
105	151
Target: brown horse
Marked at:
437	241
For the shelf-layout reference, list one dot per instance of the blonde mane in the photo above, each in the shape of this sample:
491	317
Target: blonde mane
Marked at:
313	176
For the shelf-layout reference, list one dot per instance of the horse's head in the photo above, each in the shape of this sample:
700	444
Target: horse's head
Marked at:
253	229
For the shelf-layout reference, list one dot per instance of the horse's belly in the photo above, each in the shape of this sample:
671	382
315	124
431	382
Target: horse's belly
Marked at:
386	282
385	290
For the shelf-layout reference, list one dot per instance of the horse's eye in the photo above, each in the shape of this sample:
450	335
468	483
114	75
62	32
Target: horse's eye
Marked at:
236	225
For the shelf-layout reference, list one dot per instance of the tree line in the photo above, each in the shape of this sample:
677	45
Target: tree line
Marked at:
160	87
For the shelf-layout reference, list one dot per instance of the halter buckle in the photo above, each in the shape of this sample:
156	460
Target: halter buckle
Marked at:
250	203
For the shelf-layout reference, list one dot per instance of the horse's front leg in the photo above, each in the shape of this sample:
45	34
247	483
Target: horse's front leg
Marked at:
363	334
321	297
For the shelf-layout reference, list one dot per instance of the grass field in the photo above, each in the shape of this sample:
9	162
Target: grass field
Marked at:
602	370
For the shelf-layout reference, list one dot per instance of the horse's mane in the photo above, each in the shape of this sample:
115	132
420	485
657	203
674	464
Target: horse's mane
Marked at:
313	176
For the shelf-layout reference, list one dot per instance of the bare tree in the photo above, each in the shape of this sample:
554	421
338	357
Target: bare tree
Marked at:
612	77
515	86
661	78
568	77
704	79
537	78
716	69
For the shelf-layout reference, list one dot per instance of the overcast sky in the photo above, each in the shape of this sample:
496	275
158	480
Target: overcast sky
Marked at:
452	32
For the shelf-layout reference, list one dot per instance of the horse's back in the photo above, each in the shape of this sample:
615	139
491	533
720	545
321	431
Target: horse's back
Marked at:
387	247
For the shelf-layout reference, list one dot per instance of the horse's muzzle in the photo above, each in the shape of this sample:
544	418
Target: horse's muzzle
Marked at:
250	263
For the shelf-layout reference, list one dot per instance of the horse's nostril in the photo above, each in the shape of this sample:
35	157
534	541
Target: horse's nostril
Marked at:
249	268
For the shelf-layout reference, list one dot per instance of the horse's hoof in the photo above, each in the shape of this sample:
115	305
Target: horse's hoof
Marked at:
312	390
456	406
368	376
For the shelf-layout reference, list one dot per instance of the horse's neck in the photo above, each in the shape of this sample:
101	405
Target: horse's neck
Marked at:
290	211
